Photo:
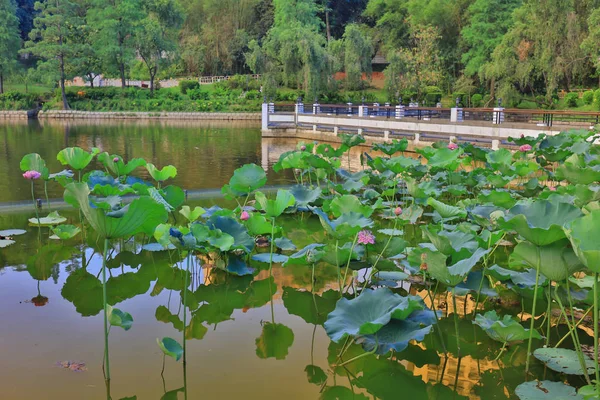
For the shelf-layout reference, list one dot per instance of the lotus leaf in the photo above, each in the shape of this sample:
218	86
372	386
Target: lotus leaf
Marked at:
118	167
499	159
161	175
505	330
52	219
304	196
349	203
498	198
275	341
192	215
270	257
12	232
563	360
398	333
350	140
445	158
455	274
76	157
312	308
392	148
546	390
315	374
274	208
541	222
64	232
556	261
525	279
237	266
445	210
6	242
348	224
369	312
141	216
257	224
576	170
170	347
35	162
119	318
285	244
308	255
583	234
248	178
233	228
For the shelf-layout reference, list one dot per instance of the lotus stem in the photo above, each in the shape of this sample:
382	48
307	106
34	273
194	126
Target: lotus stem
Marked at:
374	268
348	264
596	332
532	323
576	325
46	193
105	301
34	205
548	317
501	352
271	267
185	289
456	324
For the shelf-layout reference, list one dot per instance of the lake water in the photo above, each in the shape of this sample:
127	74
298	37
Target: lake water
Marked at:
249	338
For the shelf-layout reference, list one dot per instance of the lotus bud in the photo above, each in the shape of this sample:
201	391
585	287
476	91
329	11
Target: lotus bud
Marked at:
423	266
116	159
303	147
397	211
326	150
552	188
452	146
525	148
244	216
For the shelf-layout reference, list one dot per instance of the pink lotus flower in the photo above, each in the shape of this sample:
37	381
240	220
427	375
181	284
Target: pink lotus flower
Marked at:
303	147
116	159
525	148
397	211
552	188
366	237
32	175
326	149
452	146
245	216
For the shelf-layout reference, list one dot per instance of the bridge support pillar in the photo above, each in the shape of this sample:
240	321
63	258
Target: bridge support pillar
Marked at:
265	117
386	135
495	144
417	138
335	130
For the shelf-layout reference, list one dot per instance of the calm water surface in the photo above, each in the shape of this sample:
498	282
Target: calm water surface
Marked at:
249	338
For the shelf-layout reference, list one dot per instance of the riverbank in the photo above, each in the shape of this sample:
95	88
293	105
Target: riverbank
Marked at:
108	115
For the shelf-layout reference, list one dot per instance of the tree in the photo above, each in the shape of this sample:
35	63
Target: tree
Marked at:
9	38
422	58
52	37
489	22
115	24
358	53
155	40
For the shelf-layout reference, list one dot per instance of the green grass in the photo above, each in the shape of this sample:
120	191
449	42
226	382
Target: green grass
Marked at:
32	88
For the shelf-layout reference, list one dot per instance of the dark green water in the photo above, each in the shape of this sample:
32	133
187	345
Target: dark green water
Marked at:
249	338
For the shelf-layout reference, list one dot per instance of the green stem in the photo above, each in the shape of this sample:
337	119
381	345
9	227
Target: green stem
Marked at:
185	289
548	317
105	301
348	264
374	268
34	205
532	324
271	267
456	324
46	193
596	332
576	325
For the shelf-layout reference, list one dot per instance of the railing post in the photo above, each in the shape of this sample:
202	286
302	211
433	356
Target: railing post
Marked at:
498	116
376	107
361	110
456	114
349	109
495	144
265	116
316	108
271	108
399	111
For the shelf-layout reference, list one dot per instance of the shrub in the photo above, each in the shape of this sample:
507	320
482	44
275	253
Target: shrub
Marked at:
476	100
597	99
588	97
463	99
185	86
432	89
432	98
253	95
198	94
571	99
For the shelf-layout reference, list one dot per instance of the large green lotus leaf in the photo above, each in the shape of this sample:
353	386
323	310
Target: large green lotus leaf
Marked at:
192	215
499	181
546	390
576	170
35	162
445	158
455	274
391	148
564	360
292	159
173	195
411	214
220	240
76	157
170	347
274	208
524	278
64	232
524	168
349	203
12	232
351	140
285	244
230	226
141	216
119	318
161	175
541	222
499	159
248	178
119	168
304	195
258	224
312	308
52	219
396	164
451	242
445	210
398	333
310	254
505	330
275	341
369	312
498	198
584	234
556	261
347	225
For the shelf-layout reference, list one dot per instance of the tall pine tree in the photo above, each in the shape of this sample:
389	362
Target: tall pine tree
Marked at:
9	38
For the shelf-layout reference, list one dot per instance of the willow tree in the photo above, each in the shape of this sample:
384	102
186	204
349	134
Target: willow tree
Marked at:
294	48
53	37
9	38
358	53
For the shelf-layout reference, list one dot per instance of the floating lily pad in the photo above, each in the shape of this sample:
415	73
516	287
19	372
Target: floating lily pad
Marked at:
6	243
268	258
12	232
563	360
285	244
546	390
505	330
65	232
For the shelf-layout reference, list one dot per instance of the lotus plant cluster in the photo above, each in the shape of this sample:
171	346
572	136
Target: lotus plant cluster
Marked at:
426	249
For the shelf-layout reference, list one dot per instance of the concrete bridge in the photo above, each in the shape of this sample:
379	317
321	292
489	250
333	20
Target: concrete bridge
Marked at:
421	125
